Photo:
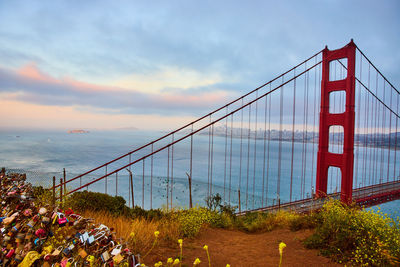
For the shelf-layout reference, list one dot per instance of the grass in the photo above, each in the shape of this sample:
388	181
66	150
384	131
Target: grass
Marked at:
138	232
343	233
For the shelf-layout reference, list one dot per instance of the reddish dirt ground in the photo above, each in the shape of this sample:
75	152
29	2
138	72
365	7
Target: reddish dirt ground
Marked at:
242	249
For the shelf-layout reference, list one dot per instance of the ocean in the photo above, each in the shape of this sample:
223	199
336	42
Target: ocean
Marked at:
44	154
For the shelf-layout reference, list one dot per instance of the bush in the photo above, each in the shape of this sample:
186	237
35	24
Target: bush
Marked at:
193	219
97	202
361	237
255	222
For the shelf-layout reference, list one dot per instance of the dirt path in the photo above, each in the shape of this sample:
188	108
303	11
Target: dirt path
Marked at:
241	249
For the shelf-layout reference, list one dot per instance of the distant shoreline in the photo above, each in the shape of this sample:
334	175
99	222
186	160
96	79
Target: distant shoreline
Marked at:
77	131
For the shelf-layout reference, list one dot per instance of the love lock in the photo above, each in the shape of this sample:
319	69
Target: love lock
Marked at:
96	237
82	253
116	250
57	251
10	253
66	251
42	211
45	220
105	256
20	238
62	220
31	223
118	258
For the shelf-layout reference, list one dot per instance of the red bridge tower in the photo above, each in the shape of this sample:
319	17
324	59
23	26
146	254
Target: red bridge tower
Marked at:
344	161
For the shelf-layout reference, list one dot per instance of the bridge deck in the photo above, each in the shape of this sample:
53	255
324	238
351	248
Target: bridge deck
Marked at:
365	196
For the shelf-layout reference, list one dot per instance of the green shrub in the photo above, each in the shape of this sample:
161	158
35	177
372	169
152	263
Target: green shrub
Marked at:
255	222
365	238
42	196
304	221
97	202
193	219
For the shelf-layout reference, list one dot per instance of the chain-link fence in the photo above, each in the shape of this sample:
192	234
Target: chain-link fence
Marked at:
37	178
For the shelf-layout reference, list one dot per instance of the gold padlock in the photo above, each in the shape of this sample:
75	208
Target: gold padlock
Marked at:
82	253
118	258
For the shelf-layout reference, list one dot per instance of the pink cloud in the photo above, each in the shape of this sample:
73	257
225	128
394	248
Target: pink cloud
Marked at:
35	86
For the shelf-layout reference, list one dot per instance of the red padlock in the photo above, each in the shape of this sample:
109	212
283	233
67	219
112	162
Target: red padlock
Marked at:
62	219
10	253
40	233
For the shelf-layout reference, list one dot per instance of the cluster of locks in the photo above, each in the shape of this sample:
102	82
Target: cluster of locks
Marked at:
30	235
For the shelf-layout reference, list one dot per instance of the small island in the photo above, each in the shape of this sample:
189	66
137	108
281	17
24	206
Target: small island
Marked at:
77	131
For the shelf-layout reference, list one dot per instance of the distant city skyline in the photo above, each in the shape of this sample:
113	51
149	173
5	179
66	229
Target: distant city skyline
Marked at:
158	65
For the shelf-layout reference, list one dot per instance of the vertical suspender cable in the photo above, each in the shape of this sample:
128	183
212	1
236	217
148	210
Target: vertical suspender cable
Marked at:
293	131
265	138
269	139
212	159
255	150
358	126
278	186
172	169
390	139
151	178
226	150
241	149
313	131
230	161
248	157
143	187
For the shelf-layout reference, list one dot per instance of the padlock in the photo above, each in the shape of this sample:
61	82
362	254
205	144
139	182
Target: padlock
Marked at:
18	258
118	258
66	251
6	240
42	211
105	256
20	238
31	223
15	228
116	250
40	233
10	253
82	253
45	220
57	251
62	220
28	236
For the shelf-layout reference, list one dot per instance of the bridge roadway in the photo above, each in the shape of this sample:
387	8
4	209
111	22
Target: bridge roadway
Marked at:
366	196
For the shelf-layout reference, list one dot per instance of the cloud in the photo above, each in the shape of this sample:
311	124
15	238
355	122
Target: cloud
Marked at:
31	85
21	115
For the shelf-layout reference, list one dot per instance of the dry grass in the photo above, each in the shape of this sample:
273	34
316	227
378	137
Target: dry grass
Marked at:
143	230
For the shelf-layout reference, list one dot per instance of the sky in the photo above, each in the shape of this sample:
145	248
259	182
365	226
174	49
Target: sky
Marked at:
160	64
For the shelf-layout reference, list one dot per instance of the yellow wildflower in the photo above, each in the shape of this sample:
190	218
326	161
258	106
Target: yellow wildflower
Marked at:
170	260
205	247
196	261
281	247
156	233
176	262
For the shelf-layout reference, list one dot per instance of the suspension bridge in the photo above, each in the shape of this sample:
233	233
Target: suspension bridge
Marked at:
326	127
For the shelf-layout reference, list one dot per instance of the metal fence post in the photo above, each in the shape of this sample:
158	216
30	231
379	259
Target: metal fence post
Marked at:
61	192
54	191
65	179
239	201
190	191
